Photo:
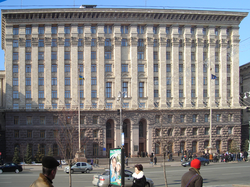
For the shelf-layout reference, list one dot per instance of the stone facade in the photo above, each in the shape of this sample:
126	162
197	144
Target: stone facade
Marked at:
162	59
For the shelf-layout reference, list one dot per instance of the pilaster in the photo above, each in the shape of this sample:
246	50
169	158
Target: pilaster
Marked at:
187	72
47	70
199	71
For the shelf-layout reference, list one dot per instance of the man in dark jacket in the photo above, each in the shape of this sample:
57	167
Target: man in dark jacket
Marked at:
192	178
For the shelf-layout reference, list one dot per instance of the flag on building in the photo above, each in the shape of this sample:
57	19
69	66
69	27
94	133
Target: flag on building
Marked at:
81	77
213	76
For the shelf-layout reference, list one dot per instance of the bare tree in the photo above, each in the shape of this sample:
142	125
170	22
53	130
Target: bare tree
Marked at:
67	137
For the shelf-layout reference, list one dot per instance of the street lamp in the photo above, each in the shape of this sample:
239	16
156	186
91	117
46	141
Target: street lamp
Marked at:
120	96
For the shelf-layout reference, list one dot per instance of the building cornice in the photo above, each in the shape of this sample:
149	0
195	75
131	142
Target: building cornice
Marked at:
126	16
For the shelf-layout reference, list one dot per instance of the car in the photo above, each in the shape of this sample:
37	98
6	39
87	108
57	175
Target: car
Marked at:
83	167
204	161
103	179
185	163
11	167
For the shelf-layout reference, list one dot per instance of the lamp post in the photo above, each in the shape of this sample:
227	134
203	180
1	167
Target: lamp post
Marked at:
120	96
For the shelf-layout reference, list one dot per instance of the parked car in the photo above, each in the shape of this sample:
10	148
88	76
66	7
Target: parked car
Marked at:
79	167
11	167
204	162
103	179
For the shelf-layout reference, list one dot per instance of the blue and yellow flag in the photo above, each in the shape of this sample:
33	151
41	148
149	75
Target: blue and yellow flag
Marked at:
213	76
81	77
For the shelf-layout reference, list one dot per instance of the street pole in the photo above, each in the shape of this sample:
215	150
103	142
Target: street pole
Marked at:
121	116
79	121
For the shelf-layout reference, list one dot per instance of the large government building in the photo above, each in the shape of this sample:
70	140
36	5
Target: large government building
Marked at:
169	67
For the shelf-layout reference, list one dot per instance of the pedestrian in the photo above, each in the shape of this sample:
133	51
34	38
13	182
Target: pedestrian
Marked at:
155	159
126	161
139	177
193	178
49	167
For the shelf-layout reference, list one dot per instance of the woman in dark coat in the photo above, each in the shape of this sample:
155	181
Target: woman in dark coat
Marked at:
139	177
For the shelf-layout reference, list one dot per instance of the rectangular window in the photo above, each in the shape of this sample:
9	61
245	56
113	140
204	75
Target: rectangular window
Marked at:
28	81
140	29
15	95
67	68
193	93
182	118
156	93
41	106
15	56
16	120
41	43
124	42
27	56
67	42
93	30
41	30
81	94
54	105
15	43
28	94
54	81
93	81
140	67
80	30
15	68
107	55
80	42
42	134
205	93
168	68
155	55
93	93
93	54
155	43
53	55
28	43
42	120
230	130
207	131
81	82
67	81
108	89
54	94
180	56
180	80
204	80
41	94
124	67
170	118
206	117
107	42
140	55
53	30
66	55
168	81
67	93
93	67
54	42
124	29
180	30
108	67
204	31
217	93
180	67
183	131
192	67
218	117
109	105
218	130
15	106
192	56
167	30
140	43
41	81
155	30
168	93
155	80
194	119
193	80
15	81
80	67
195	131
108	29
66	30
15	31
180	93
40	55
141	89
40	68
93	42
28	30
29	133
16	133
29	120
125	88
94	105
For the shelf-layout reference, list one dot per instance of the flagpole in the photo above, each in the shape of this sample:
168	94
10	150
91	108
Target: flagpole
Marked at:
79	121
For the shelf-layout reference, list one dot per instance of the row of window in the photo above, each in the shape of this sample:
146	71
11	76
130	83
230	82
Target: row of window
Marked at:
183	131
124	29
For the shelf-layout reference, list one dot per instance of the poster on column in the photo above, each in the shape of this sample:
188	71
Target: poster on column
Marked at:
115	168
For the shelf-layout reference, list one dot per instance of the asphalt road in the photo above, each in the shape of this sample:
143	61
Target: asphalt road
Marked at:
218	174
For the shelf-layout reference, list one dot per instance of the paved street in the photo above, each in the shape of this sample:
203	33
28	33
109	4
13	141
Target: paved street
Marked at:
218	174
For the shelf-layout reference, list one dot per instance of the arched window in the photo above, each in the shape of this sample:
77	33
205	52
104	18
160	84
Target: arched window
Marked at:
194	147
141	129
229	145
182	146
170	132
206	143
157	148
125	129
108	130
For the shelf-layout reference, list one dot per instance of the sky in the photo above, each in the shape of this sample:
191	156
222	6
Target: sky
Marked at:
215	5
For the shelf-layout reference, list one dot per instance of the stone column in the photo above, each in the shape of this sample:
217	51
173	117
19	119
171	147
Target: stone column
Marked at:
150	69
223	67
235	67
199	71
211	66
134	138
162	70
74	78
47	67
187	73
134	66
149	138
101	81
175	66
9	66
61	68
87	66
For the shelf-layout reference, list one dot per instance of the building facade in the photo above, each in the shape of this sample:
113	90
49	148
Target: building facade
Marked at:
173	65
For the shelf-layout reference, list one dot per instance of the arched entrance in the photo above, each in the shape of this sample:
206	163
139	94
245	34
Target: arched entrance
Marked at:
218	146
142	136
126	130
109	135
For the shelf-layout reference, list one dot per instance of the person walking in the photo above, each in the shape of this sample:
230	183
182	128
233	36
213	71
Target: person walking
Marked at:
192	178
139	177
49	168
155	159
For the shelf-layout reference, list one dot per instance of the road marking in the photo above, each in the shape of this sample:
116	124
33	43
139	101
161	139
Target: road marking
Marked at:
5	182
231	174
